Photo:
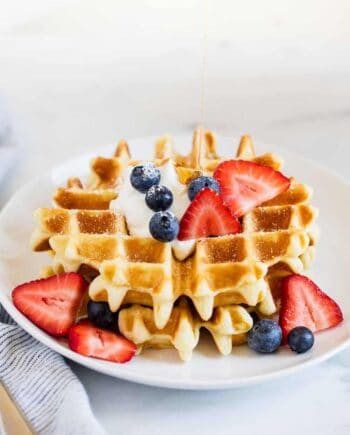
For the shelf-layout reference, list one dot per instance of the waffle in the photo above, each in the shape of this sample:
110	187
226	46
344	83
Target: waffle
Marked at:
229	269
83	234
228	326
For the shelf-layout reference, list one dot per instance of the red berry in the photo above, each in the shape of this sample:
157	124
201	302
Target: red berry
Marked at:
245	185
88	340
52	303
207	216
305	304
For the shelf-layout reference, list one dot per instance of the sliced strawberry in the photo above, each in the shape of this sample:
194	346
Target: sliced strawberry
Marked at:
207	216
245	185
88	340
304	304
52	303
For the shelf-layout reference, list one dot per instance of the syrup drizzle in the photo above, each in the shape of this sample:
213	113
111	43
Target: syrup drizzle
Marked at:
205	14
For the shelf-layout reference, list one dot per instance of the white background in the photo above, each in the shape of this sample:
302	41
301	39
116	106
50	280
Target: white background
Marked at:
78	74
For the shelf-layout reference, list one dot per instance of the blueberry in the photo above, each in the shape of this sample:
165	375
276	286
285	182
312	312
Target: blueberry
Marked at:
201	183
100	315
144	176
164	226
159	198
300	339
265	336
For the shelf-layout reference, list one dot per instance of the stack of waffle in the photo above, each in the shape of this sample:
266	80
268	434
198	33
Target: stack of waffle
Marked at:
163	301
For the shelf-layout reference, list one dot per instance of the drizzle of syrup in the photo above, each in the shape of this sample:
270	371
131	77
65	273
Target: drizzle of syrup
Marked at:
205	16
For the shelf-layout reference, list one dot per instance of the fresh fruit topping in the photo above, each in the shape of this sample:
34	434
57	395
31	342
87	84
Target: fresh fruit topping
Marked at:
304	304
100	315
201	183
164	226
159	198
144	176
245	185
207	216
265	336
52	303
86	339
300	339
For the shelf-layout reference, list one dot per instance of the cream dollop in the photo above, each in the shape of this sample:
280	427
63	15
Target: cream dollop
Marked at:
132	205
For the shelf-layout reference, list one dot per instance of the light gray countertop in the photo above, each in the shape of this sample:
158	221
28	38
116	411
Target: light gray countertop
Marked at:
68	96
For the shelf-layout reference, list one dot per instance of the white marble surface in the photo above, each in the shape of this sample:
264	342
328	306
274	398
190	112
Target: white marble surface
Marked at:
79	75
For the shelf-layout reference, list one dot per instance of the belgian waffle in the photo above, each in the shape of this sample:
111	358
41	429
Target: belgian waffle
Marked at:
228	326
83	234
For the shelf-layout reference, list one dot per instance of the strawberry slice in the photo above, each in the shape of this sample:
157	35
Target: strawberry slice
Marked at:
207	216
245	185
304	304
52	303
86	339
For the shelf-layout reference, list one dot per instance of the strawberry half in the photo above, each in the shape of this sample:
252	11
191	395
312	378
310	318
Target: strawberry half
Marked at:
245	185
304	304
207	216
52	303
86	339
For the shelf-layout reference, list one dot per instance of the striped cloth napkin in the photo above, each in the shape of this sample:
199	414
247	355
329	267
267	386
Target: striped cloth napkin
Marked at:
42	385
38	380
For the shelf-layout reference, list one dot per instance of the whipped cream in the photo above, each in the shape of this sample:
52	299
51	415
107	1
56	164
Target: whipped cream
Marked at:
132	205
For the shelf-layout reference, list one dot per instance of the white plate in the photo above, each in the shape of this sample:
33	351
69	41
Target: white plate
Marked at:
207	370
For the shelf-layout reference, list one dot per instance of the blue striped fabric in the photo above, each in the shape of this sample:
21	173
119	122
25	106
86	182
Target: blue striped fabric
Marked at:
42	385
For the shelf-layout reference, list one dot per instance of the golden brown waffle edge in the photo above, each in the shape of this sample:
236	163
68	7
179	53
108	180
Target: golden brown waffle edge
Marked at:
83	233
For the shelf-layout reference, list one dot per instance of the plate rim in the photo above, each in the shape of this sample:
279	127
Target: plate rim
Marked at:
122	372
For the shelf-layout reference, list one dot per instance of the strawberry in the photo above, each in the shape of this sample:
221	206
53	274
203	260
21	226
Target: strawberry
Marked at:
207	216
52	303
304	304
88	340
245	185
